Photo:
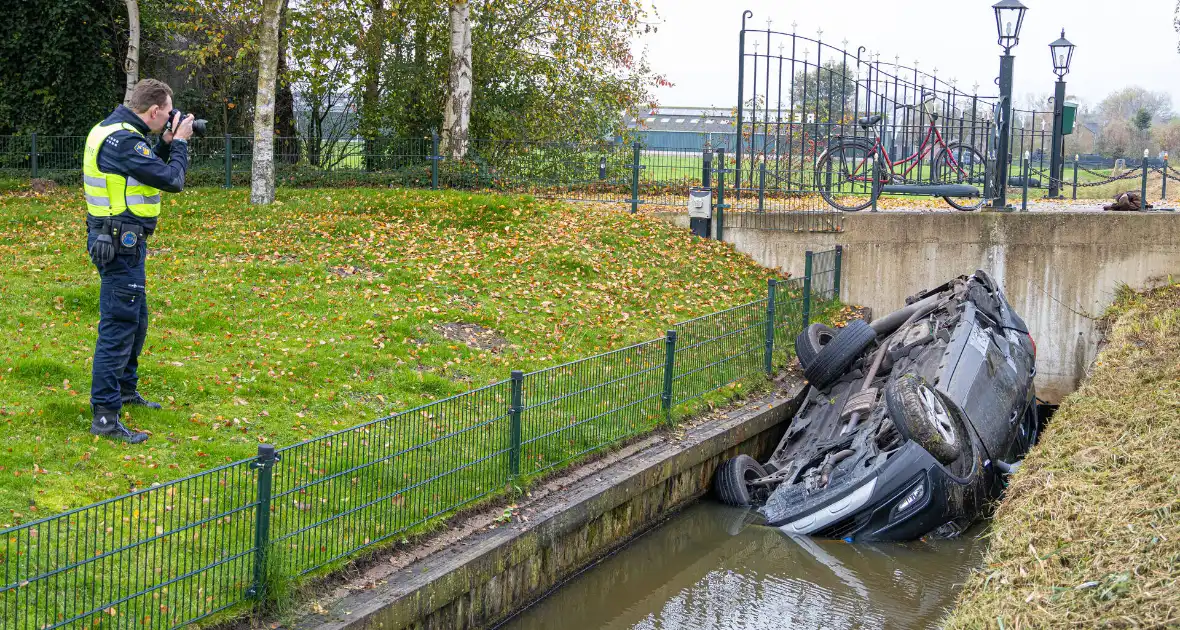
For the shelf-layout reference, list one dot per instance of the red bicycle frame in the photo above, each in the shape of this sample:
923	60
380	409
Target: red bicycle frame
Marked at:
923	150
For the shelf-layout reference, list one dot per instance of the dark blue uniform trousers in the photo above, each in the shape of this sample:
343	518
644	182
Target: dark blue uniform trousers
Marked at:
122	326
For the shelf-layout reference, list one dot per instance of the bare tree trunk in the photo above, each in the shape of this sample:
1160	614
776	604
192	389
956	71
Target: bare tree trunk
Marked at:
374	50
262	180
458	115
131	64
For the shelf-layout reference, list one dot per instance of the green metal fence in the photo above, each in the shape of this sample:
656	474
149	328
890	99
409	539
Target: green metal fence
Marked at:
179	552
603	171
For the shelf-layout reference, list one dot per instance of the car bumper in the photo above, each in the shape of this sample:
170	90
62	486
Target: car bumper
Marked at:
910	496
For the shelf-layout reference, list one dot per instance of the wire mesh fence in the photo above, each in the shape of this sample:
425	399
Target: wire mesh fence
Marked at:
582	406
160	557
606	171
182	551
344	492
716	350
824	276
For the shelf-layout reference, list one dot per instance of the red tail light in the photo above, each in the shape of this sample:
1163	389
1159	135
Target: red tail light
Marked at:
1034	344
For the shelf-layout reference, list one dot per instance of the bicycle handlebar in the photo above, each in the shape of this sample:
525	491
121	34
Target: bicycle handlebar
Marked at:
927	97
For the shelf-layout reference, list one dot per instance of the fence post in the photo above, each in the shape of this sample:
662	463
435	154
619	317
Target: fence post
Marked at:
1076	157
669	373
1164	178
875	185
434	158
1143	187
836	278
635	177
771	285
265	466
1024	163
707	170
761	186
229	150
602	167
33	155
514	413
807	289
721	192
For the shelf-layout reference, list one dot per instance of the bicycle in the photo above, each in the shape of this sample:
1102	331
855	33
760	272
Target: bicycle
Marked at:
846	167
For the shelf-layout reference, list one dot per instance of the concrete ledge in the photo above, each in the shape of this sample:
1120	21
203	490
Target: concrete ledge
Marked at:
1060	270
484	578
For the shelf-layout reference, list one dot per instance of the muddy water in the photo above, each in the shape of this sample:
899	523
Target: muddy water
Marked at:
706	569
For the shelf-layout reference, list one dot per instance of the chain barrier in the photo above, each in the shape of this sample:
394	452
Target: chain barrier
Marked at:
1106	179
1175	176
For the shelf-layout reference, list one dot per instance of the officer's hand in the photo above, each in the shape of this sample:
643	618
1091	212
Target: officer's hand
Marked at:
103	250
175	125
185	130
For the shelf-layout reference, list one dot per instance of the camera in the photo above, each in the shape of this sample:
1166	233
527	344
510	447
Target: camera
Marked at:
198	123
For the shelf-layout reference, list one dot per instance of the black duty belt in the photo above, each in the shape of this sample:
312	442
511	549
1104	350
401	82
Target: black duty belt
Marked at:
126	234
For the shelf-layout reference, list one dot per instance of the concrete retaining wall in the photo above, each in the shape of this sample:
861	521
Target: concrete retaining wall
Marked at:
1059	270
485	578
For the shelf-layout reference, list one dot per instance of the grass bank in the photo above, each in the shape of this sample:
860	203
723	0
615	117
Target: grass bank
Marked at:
1088	534
325	310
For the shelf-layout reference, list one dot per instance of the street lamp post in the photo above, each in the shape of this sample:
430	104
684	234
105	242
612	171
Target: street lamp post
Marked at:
1009	19
1062	51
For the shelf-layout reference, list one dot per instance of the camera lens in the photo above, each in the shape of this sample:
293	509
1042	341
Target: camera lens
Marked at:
199	126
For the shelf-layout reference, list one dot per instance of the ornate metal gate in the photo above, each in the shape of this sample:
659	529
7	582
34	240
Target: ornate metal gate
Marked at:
801	99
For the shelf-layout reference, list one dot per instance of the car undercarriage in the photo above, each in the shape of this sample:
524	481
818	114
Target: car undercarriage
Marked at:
908	423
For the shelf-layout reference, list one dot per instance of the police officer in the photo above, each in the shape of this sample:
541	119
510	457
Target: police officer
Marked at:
123	178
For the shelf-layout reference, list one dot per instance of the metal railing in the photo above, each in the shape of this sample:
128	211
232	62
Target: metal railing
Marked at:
607	171
181	551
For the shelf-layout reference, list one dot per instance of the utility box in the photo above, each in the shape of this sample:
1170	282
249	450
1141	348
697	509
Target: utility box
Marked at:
700	203
700	211
1069	113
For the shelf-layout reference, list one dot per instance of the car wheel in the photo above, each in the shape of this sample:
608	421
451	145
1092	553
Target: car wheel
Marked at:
921	415
835	357
732	480
811	341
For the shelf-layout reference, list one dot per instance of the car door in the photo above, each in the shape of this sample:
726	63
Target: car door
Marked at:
982	375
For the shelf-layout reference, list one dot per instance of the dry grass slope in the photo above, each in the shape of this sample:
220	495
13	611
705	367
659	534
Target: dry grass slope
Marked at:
1088	535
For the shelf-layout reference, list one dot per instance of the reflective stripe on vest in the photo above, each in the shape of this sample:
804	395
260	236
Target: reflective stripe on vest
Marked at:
109	194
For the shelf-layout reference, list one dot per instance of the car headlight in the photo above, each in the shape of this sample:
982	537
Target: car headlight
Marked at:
910	499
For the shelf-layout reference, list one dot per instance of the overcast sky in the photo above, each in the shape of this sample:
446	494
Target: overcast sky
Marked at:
1119	42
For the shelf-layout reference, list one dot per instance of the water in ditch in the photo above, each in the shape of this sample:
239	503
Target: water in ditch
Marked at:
704	568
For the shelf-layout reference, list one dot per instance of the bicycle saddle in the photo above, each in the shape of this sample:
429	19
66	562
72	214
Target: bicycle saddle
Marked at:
869	121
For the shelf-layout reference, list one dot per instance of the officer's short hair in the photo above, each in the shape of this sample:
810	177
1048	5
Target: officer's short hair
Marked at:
149	92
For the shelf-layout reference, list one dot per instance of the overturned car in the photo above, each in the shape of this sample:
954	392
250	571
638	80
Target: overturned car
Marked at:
909	425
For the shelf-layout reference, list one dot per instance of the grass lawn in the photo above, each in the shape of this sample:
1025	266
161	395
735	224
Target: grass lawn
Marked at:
327	309
1088	534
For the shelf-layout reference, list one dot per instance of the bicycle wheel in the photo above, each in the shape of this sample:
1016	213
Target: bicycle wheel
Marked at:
843	176
962	164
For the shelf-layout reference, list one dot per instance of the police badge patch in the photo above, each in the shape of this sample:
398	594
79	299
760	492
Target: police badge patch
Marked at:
142	149
128	239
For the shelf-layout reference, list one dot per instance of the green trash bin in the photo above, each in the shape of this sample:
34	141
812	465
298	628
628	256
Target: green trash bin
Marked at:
1069	113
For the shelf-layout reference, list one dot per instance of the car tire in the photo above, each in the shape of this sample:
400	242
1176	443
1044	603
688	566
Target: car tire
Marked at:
732	477
835	357
811	341
921	415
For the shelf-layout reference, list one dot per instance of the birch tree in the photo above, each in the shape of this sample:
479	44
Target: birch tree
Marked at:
262	177
131	63
457	120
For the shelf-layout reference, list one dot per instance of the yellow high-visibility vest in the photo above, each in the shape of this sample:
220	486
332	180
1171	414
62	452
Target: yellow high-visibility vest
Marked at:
109	194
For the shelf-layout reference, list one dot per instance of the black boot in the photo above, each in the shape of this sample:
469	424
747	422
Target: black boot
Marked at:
139	401
106	424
